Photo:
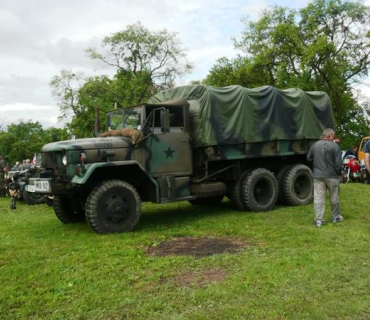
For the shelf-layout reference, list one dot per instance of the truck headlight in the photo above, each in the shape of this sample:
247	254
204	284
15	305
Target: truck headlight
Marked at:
64	160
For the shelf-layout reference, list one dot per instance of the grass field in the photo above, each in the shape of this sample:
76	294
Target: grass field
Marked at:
289	270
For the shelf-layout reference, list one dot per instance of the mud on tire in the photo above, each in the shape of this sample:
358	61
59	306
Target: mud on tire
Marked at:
113	206
259	190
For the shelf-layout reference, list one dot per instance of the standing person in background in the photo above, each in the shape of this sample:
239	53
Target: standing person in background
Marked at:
16	166
26	164
327	170
351	152
2	177
367	160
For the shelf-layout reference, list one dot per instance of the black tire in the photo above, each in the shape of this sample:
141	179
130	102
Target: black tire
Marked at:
113	206
32	198
280	178
345	176
297	186
67	211
235	192
363	176
48	201
206	201
260	190
208	190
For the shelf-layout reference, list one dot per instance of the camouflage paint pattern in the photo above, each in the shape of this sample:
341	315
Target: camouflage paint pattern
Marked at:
278	124
233	115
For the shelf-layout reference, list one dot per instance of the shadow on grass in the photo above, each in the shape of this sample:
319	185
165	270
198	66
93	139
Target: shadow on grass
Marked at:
154	217
180	213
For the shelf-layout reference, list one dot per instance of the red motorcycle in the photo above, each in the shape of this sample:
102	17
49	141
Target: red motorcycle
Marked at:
352	170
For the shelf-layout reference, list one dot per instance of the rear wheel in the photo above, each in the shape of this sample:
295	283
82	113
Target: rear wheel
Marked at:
259	190
113	206
67	211
297	186
280	179
235	192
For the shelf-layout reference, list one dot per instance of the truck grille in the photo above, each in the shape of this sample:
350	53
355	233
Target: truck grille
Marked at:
53	161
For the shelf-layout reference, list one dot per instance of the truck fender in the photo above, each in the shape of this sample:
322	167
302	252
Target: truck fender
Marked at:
131	166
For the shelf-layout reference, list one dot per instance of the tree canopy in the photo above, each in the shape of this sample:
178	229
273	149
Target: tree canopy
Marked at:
19	141
323	46
145	62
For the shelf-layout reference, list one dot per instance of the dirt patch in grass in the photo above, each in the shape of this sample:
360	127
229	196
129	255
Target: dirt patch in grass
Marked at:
197	247
199	279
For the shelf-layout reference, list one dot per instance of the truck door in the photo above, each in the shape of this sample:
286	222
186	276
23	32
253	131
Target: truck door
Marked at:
169	153
167	150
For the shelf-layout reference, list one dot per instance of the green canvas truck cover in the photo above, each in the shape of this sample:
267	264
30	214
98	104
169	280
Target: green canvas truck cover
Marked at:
234	114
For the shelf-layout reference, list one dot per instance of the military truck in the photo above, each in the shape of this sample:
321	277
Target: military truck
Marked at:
191	143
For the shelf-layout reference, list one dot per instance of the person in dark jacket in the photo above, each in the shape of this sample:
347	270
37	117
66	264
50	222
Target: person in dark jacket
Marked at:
327	169
351	152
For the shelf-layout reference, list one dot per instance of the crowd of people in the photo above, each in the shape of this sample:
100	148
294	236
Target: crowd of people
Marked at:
26	164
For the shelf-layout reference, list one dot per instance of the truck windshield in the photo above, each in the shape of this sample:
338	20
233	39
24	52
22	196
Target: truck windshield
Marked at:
127	118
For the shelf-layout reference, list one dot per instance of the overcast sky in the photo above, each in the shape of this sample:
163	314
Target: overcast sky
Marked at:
38	38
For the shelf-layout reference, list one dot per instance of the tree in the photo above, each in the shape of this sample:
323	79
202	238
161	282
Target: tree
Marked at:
242	71
145	63
324	46
151	59
21	140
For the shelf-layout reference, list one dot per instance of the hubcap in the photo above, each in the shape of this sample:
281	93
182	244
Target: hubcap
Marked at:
262	191
302	187
116	209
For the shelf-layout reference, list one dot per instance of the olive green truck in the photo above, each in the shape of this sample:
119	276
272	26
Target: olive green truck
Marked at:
191	143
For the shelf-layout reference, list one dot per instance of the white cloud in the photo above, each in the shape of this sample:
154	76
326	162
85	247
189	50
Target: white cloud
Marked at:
39	38
14	113
23	107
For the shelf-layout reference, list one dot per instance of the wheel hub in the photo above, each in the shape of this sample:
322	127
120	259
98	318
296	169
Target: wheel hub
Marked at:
116	209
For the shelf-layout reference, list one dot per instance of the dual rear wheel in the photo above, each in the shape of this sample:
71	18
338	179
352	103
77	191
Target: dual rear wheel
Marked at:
115	205
259	189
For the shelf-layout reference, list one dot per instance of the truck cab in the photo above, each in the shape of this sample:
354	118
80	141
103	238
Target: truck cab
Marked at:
146	153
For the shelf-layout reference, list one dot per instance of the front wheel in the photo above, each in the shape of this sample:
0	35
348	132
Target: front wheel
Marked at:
113	206
67	210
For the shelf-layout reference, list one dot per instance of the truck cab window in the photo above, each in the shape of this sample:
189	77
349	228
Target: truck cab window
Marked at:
132	119
176	118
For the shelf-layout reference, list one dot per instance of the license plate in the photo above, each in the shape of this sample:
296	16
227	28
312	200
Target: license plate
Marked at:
30	188
41	186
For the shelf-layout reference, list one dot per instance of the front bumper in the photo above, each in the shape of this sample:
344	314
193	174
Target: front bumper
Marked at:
45	186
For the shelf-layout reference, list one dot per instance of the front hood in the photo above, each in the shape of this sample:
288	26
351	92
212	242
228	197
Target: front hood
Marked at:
89	144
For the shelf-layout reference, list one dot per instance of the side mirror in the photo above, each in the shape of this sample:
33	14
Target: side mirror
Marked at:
165	120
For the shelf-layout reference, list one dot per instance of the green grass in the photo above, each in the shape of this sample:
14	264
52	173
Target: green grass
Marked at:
292	270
